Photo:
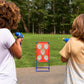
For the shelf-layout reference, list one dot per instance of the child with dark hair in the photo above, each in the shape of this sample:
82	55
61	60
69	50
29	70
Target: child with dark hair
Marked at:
73	53
9	47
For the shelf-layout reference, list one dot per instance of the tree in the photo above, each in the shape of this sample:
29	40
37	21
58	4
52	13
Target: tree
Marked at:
41	12
77	8
66	16
54	27
46	16
61	15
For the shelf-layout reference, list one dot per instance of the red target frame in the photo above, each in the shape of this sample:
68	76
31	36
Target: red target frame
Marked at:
42	53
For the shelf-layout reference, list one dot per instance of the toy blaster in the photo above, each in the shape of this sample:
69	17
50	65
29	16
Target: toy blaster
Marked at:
65	39
18	35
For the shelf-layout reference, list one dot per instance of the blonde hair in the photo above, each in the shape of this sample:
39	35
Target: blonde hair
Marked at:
9	15
78	27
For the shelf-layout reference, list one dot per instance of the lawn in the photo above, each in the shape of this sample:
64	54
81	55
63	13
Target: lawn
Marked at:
29	49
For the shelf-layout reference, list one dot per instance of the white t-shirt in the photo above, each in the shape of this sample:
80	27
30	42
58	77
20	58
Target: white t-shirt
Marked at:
7	63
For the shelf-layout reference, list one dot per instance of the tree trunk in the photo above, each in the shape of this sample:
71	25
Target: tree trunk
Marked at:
25	27
63	22
33	28
29	24
54	18
54	28
42	31
28	19
39	30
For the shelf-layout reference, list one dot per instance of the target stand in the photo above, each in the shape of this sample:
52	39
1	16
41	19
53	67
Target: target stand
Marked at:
42	56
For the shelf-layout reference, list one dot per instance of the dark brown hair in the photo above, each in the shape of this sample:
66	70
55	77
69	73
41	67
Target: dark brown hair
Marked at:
9	15
78	27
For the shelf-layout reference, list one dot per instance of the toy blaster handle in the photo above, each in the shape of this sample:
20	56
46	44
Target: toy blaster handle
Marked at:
65	39
18	35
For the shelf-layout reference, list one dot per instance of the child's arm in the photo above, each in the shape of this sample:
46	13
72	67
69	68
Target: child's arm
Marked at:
63	59
66	52
16	48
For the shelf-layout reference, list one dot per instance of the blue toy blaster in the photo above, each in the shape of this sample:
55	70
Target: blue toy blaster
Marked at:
65	39
18	35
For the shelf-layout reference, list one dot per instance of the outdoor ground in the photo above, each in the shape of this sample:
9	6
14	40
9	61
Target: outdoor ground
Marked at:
30	76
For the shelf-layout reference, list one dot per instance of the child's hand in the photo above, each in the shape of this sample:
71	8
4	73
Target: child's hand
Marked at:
19	40
63	59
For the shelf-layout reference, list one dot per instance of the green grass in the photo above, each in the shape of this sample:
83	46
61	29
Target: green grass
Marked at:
29	49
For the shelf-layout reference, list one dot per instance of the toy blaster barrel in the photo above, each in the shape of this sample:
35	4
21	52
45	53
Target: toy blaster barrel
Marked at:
65	39
18	35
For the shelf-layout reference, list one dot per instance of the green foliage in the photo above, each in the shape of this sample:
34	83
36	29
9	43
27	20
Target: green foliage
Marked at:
44	15
9	0
81	8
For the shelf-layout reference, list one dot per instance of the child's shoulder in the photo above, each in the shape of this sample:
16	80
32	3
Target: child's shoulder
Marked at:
74	39
5	30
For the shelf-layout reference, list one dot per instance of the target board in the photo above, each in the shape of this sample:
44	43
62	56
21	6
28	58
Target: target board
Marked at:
42	52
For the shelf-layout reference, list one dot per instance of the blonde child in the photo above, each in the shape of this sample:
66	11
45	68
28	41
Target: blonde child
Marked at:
73	53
